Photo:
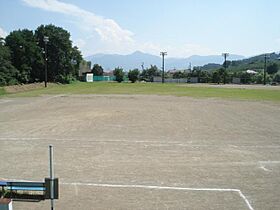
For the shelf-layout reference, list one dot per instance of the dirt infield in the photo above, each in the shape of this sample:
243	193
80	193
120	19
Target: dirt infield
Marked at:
145	152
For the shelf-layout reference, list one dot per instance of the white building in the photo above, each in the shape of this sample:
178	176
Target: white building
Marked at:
89	77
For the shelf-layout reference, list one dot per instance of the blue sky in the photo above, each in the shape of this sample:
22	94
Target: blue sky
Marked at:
181	27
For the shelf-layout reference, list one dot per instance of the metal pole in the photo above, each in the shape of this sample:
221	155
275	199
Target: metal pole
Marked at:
46	40
46	68
264	73
225	68
51	176
225	56
163	54
162	68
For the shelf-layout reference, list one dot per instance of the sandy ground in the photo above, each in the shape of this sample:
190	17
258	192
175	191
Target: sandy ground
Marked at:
145	152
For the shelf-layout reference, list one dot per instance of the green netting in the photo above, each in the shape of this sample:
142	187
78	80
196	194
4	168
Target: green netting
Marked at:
104	78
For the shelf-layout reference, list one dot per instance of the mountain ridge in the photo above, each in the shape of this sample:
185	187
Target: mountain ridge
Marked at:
135	60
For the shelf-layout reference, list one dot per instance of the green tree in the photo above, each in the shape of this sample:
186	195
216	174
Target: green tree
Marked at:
272	68
97	70
204	77
133	75
246	78
63	60
119	74
148	74
179	75
26	55
217	77
258	78
276	78
8	72
223	73
226	64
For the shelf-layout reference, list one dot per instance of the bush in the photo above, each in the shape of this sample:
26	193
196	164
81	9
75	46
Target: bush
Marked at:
65	79
276	78
133	75
272	69
97	70
258	78
119	74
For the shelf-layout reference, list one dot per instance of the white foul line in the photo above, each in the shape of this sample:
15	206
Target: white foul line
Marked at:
154	187
163	188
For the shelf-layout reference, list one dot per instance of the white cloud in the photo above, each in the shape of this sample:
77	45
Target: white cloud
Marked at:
191	49
80	43
107	36
107	29
184	50
3	33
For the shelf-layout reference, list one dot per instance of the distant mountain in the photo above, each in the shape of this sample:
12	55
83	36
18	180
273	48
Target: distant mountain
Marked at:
135	60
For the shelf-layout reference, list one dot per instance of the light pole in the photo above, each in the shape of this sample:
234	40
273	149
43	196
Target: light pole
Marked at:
163	54
46	40
225	55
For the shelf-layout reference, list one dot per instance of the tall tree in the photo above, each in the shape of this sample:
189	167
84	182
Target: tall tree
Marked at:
26	55
148	74
133	75
97	70
119	74
272	68
8	72
63	59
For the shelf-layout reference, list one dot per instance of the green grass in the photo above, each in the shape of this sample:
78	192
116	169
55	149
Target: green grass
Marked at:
2	91
153	89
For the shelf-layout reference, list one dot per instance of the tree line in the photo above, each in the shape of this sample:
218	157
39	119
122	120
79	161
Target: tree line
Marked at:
133	75
220	75
22	56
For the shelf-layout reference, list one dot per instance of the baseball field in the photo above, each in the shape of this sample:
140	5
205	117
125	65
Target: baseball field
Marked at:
146	146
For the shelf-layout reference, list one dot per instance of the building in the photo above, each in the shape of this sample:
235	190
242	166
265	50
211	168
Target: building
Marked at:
84	68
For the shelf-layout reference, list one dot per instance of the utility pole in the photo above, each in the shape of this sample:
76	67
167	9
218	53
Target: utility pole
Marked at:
51	176
225	55
265	69
163	54
46	40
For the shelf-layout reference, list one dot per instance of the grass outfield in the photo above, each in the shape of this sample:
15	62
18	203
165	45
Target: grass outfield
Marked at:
153	89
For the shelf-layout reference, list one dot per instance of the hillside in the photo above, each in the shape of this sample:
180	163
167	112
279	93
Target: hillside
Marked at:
255	63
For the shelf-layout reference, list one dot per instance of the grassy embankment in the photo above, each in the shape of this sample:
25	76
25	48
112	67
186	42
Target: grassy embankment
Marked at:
2	91
152	89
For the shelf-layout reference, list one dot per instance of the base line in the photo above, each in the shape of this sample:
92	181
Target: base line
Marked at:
163	188
153	187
